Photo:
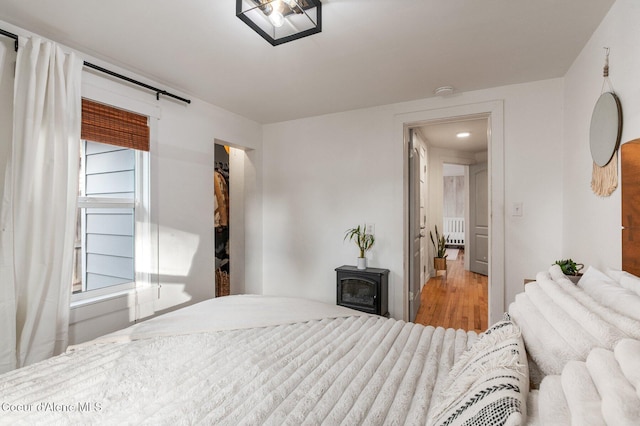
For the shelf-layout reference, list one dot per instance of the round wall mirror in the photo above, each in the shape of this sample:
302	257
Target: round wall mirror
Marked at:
606	128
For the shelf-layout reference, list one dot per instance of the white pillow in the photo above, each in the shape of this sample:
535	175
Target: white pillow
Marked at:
608	293
614	274
593	275
625	279
489	384
630	282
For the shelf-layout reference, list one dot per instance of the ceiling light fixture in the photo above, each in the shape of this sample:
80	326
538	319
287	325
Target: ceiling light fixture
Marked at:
281	21
463	135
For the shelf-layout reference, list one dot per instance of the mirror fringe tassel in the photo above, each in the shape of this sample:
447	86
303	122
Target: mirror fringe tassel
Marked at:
604	180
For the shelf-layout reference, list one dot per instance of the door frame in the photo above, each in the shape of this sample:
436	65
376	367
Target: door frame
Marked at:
237	199
495	112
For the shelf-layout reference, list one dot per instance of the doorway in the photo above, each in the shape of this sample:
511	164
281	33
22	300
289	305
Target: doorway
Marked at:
455	208
221	221
458	211
492	114
232	168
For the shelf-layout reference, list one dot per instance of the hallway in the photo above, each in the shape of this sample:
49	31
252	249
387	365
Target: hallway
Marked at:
458	302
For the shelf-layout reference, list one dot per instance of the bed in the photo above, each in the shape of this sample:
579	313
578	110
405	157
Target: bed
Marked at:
271	360
564	354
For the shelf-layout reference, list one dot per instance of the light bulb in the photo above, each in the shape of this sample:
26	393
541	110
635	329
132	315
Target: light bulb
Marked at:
266	9
276	19
276	5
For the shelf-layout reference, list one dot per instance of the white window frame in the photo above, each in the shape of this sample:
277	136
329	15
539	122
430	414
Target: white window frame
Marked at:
142	234
141	299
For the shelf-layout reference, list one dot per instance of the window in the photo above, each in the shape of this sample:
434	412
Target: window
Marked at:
113	199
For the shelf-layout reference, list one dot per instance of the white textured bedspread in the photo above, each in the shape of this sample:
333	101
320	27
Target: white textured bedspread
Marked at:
349	369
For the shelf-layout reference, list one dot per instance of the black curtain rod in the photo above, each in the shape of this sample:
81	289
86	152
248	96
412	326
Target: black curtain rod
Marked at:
10	35
111	73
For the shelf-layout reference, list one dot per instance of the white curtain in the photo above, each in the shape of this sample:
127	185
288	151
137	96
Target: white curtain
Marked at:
38	215
7	299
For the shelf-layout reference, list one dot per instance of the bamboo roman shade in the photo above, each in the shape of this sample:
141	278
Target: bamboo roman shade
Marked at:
106	124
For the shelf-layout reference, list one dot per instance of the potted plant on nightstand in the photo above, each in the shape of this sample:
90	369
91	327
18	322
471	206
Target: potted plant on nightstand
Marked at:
570	268
440	247
364	242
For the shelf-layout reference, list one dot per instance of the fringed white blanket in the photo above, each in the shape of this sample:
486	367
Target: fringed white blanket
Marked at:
349	370
604	390
561	322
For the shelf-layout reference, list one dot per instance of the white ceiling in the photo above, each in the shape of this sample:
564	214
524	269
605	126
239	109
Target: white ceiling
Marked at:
370	52
444	135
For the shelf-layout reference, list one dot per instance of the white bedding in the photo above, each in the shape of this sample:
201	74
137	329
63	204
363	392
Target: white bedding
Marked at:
272	360
561	322
585	341
603	390
310	364
230	313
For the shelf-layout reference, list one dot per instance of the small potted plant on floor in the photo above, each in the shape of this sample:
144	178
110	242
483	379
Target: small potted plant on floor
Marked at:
364	242
440	247
570	268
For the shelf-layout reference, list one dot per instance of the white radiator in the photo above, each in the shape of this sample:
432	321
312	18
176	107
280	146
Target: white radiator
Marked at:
454	229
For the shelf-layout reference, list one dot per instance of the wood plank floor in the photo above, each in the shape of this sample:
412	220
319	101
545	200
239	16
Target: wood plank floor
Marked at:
458	302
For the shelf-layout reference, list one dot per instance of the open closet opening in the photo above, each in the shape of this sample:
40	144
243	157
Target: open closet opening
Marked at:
233	167
221	220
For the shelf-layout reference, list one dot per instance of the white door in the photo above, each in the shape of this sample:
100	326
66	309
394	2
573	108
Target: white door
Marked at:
414	228
479	219
423	215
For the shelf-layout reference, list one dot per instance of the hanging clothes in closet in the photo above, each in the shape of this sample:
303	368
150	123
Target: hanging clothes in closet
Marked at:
221	223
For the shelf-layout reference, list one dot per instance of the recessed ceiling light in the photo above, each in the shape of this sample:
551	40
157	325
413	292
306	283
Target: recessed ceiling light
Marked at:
463	135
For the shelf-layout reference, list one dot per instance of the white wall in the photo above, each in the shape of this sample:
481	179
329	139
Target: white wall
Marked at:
182	167
592	224
182	186
185	186
325	174
253	225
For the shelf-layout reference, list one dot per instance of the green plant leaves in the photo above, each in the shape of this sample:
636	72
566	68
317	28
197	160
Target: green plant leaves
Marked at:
363	240
441	246
569	267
